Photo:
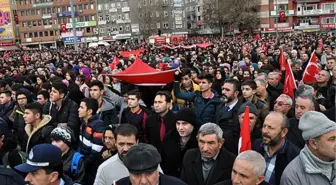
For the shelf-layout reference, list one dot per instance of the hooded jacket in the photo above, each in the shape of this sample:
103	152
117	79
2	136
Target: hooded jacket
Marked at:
40	134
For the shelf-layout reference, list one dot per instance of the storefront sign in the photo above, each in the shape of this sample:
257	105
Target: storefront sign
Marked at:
81	24
328	26
42	4
6	25
66	14
71	39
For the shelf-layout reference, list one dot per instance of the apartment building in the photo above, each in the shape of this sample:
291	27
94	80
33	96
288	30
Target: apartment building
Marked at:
40	21
301	15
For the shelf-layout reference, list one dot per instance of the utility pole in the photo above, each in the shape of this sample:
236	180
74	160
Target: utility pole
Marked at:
277	17
74	25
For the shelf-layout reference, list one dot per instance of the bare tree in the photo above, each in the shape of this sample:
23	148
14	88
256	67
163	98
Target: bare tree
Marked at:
231	14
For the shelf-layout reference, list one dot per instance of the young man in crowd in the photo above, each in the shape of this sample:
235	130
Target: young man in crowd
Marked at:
136	114
205	100
43	97
6	105
178	141
64	111
80	81
163	121
64	138
91	136
276	149
38	126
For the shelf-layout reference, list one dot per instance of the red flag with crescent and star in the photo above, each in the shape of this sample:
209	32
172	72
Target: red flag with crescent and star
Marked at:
311	72
289	84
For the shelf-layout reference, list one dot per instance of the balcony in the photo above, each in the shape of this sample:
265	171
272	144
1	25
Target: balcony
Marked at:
314	12
288	13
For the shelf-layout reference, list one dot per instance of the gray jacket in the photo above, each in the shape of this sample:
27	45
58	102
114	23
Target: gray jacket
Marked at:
305	170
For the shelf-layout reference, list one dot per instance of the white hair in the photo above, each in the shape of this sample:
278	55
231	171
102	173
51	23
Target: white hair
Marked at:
276	74
289	99
211	128
257	160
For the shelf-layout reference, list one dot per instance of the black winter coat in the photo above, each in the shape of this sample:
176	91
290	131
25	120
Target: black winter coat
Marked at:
5	111
294	134
163	180
283	158
19	126
67	114
192	168
67	161
172	154
153	126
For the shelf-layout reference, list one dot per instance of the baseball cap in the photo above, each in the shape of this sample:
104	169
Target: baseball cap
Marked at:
41	156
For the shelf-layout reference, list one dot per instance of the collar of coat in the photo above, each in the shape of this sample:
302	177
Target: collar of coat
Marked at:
29	128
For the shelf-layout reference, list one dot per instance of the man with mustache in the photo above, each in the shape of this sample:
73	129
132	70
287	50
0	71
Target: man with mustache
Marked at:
114	169
276	149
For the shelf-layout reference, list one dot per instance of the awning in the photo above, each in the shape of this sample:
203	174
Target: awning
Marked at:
8	48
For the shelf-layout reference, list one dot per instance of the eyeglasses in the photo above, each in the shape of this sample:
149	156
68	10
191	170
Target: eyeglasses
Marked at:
280	103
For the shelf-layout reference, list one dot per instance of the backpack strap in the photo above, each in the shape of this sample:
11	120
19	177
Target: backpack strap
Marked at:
75	163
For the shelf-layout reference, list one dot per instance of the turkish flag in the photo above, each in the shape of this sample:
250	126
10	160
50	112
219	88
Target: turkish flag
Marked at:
282	60
257	37
63	28
245	136
282	15
289	84
312	70
114	63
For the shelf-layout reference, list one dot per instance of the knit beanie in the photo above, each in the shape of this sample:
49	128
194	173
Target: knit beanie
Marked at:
187	115
63	133
253	108
314	124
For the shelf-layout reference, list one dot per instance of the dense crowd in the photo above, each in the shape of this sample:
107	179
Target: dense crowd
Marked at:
65	119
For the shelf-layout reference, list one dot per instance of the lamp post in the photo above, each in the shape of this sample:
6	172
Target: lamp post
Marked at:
74	25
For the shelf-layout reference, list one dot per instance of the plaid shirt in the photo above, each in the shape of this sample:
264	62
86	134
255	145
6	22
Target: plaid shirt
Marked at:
270	164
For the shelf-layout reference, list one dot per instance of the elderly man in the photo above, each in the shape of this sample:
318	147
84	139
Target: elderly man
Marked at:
248	169
276	149
283	104
142	162
210	163
316	163
274	82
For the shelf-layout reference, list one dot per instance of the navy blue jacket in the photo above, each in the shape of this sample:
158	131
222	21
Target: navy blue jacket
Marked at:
205	111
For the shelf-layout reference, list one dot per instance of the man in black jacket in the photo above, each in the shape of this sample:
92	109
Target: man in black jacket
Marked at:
276	149
248	169
227	112
64	111
210	163
142	162
6	105
178	141
163	121
64	138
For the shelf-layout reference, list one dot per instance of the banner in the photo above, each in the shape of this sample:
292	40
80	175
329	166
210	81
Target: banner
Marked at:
6	24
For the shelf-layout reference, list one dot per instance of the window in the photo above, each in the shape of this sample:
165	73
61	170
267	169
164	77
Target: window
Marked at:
158	25
101	18
46	33
165	25
328	20
91	6
88	30
35	34
50	21
114	29
92	17
24	24
21	2
106	6
107	17
59	9
118	5
23	13
113	5
41	34
86	6
304	20
127	16
48	10
51	33
102	30
30	35
63	8
87	18
39	23
144	3
119	17
127	28
140	15
125	4
27	12
329	6
157	14
44	22
309	7
152	26
29	23
165	14
54	9
120	28
25	35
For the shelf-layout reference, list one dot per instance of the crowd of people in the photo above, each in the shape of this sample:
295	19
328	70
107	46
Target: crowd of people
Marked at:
64	118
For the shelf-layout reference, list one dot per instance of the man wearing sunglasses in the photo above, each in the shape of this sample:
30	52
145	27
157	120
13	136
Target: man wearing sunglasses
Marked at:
283	104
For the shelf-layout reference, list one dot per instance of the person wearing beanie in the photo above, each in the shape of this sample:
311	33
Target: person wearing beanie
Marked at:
142	162
178	141
64	138
316	162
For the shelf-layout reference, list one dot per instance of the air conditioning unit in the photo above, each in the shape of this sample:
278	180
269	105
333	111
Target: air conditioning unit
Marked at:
96	32
81	11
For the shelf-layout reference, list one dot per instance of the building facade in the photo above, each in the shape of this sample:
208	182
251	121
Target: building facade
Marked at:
40	21
301	15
